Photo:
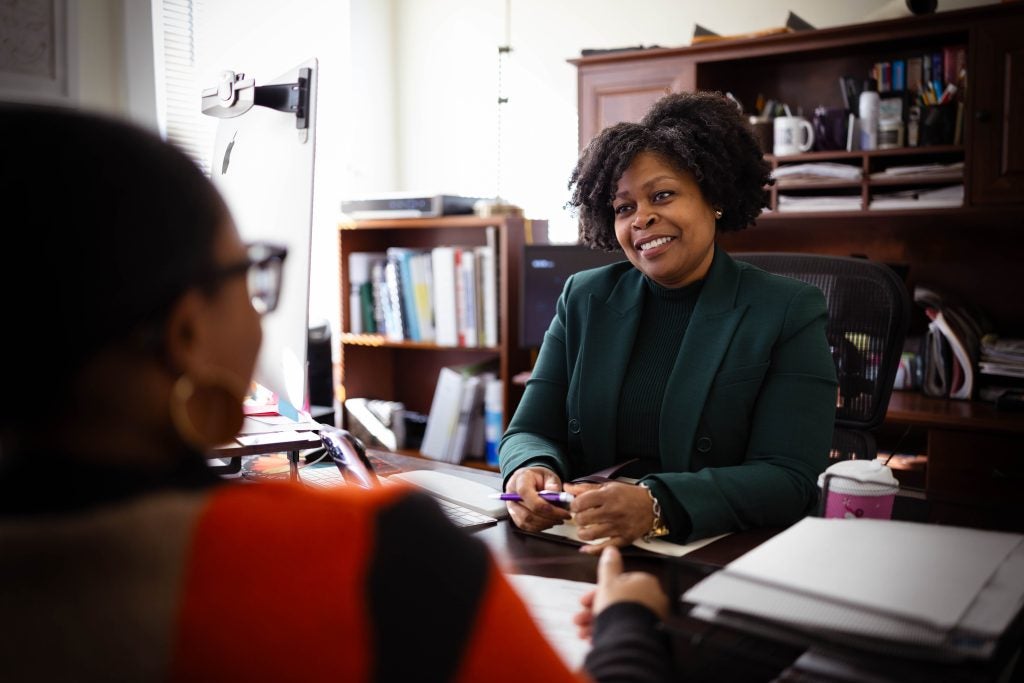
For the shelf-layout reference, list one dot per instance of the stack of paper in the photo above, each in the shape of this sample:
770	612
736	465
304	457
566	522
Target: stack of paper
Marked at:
818	171
1002	356
916	589
921	170
943	197
788	203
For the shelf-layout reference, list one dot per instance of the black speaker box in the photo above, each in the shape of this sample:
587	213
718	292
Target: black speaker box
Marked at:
321	373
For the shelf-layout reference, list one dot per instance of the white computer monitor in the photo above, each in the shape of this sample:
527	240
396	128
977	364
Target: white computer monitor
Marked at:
263	166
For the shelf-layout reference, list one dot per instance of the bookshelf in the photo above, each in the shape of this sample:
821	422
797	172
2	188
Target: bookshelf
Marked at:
373	366
943	246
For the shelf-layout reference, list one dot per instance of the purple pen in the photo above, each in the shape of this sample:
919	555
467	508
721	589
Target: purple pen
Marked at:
556	497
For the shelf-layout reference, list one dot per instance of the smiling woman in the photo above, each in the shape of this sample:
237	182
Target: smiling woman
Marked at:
714	376
663	223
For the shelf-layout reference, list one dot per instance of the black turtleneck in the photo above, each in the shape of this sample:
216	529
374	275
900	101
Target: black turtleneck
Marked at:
663	324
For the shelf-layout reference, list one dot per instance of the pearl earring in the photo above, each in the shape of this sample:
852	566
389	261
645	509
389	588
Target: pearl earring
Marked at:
718	214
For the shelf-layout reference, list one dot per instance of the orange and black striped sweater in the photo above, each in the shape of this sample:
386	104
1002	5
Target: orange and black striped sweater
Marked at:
112	576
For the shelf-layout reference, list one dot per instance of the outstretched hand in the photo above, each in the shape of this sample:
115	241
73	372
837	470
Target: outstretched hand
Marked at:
614	585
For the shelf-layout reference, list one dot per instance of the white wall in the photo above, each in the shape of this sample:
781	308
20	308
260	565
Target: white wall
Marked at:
447	81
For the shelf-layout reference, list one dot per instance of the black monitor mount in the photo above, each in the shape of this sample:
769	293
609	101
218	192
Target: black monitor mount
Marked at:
236	94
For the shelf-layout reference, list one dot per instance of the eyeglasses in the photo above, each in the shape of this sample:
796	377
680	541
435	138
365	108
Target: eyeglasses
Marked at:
262	268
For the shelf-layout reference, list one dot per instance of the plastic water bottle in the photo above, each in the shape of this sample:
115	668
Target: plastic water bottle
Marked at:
868	110
493	414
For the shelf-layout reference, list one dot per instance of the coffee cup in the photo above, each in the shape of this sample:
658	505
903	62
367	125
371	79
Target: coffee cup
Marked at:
858	489
793	135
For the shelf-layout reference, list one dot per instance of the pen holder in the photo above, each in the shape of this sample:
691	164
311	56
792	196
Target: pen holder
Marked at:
857	489
938	124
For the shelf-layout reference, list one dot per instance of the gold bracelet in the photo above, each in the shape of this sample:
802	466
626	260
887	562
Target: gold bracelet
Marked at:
658	526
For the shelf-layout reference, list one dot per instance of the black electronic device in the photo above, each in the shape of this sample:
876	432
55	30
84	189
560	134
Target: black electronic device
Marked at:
407	205
545	268
321	370
349	455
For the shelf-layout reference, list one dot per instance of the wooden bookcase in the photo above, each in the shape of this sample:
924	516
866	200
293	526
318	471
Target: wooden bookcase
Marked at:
973	253
372	366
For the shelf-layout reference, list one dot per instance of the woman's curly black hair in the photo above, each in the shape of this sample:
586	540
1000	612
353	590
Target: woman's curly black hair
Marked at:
702	133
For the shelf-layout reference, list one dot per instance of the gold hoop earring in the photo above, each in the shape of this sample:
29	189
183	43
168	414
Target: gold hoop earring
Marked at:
207	412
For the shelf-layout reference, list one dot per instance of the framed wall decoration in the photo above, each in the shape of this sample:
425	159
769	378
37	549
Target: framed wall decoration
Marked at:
34	49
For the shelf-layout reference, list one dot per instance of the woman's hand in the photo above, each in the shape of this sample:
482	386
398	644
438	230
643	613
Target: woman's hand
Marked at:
614	585
620	512
534	513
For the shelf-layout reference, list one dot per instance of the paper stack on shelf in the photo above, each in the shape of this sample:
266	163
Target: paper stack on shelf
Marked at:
860	583
818	171
794	203
921	170
944	197
1001	356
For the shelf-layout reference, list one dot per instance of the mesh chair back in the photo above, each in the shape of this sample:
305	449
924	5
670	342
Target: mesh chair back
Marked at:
868	313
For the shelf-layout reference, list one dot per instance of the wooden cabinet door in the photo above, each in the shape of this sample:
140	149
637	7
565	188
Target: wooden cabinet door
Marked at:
996	92
613	92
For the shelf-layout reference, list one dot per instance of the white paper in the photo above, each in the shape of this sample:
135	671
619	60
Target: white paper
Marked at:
553	603
923	572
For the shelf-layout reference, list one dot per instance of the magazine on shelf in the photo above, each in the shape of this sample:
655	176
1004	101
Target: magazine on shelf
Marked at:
952	345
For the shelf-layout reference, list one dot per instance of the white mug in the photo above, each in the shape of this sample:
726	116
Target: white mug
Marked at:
788	133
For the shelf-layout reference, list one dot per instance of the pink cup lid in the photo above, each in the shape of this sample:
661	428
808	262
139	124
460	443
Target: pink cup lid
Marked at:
860	478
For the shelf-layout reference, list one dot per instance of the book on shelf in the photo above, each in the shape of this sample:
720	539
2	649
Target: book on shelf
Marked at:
899	75
937	73
466	297
380	294
394	313
952	345
470	401
442	260
406	285
452	429
954	62
362	317
914	74
487	272
423	295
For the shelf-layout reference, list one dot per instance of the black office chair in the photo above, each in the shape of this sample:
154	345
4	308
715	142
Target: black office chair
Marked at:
868	314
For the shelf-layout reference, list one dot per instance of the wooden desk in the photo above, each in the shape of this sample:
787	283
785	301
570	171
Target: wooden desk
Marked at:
702	652
975	471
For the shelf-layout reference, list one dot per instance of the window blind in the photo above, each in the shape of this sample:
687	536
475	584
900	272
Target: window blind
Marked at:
178	96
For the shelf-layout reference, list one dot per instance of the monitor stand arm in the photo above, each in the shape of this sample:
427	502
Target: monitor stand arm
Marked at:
236	94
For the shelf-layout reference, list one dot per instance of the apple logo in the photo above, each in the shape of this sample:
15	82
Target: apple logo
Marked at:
227	155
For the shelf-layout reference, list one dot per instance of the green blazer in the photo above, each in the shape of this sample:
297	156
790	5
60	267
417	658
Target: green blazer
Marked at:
747	418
